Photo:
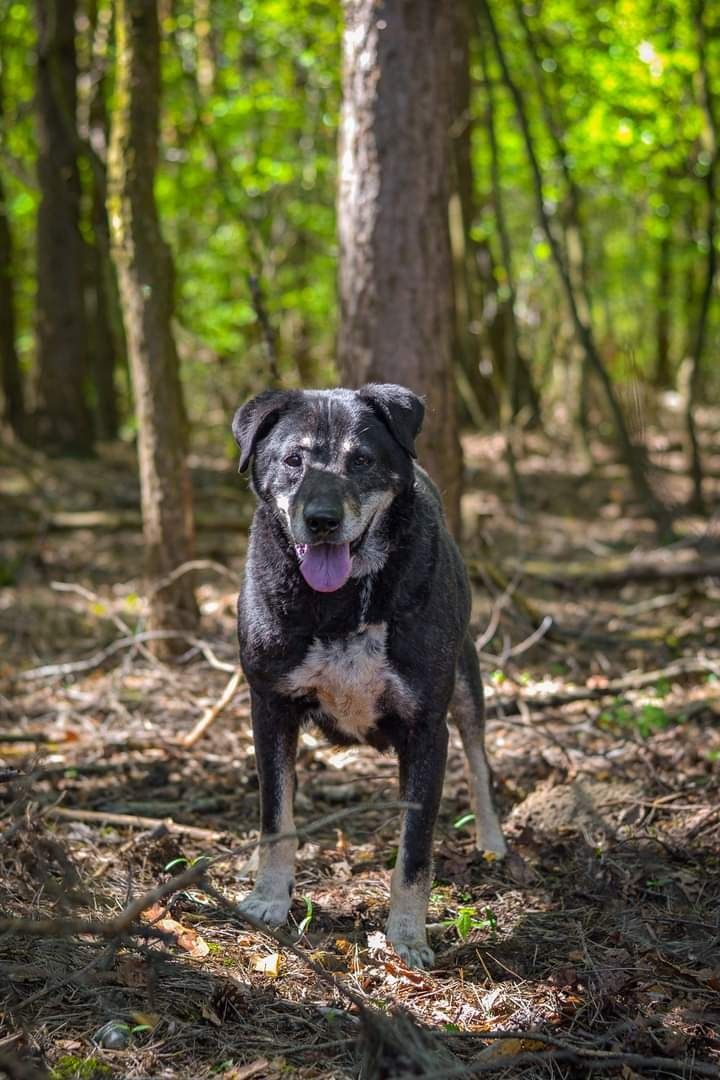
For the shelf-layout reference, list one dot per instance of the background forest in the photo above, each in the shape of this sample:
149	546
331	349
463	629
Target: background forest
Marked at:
513	209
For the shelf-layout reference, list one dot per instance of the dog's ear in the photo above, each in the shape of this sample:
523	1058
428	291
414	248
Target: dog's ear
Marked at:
400	410
256	417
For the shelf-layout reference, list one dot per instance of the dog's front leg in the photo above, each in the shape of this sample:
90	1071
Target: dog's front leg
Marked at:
275	734
422	766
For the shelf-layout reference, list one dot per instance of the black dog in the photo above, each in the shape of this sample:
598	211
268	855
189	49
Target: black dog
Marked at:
354	615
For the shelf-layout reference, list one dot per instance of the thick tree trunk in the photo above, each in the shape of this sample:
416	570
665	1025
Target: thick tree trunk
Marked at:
146	288
63	418
396	305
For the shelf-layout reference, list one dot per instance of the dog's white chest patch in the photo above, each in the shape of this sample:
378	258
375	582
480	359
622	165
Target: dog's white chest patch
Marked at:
351	677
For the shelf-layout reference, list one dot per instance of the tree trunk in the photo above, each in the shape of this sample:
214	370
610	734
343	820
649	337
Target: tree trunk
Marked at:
469	324
396	304
106	334
12	385
146	288
711	139
662	374
63	418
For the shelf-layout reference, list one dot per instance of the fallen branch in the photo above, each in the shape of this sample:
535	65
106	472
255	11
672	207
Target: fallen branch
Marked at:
75	667
187	568
211	714
618	572
134	822
499	704
112	520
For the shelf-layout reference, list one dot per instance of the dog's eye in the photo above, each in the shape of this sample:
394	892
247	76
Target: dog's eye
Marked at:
361	461
293	461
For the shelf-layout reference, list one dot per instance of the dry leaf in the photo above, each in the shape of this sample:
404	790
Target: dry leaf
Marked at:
208	1013
509	1047
146	1019
244	1072
188	939
269	965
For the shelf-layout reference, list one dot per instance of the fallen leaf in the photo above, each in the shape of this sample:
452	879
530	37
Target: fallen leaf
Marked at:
244	1072
145	1019
188	939
208	1013
269	965
508	1048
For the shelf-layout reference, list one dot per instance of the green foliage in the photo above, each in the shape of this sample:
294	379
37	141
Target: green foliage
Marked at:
247	174
467	919
645	720
70	1067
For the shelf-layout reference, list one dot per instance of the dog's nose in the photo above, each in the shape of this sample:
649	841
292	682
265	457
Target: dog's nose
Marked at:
322	519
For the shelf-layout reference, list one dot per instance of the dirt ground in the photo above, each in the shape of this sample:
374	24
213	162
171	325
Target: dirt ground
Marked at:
595	946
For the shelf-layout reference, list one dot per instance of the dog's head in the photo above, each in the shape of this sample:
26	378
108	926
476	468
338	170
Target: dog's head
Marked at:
329	463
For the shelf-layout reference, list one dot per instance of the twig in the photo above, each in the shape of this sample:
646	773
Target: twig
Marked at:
707	819
636	681
211	714
75	667
618	573
121	923
134	821
187	568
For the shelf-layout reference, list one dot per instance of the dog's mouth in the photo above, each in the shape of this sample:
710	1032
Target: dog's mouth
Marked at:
327	567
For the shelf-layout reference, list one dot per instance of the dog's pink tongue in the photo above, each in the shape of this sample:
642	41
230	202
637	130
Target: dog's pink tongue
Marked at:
325	567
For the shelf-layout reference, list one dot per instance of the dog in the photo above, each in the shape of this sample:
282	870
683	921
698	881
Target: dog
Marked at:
353	615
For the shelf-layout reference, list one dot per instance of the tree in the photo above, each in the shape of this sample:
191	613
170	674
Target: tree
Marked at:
145	274
10	374
63	420
395	282
105	321
711	136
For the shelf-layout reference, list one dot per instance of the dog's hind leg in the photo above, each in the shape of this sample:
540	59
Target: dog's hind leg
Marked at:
467	709
275	737
422	767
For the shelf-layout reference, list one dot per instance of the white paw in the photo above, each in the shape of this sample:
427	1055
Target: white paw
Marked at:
492	841
414	954
272	910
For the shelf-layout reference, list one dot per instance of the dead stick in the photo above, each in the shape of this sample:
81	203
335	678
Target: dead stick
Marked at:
210	715
134	822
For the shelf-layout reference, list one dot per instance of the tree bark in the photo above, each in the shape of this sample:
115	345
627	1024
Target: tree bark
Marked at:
146	288
63	419
662	374
12	384
711	138
395	282
472	335
105	321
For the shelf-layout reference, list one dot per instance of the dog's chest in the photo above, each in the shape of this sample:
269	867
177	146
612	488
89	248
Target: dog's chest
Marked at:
352	679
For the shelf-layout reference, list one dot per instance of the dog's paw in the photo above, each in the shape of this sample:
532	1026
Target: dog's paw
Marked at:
492	842
272	910
415	954
405	931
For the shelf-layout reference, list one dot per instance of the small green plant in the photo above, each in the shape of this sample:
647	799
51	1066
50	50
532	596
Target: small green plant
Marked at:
645	720
465	819
70	1067
182	860
307	918
467	919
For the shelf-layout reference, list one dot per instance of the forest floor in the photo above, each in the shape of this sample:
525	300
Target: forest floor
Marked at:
595	946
